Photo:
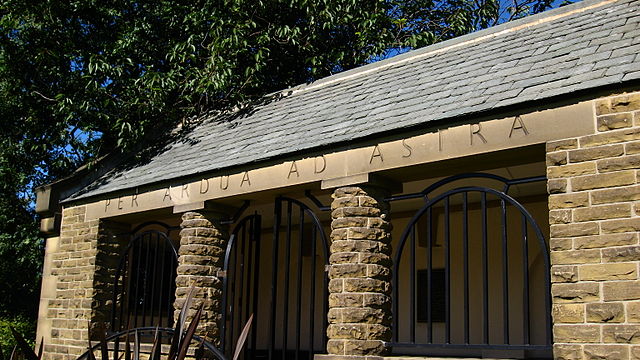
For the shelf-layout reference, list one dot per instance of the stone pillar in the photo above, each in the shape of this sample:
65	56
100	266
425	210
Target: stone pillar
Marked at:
360	283
201	255
595	218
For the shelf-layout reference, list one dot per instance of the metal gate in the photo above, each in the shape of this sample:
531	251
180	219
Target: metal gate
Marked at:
240	283
144	286
281	281
471	285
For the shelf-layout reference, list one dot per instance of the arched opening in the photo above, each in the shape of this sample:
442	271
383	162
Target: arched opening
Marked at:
471	273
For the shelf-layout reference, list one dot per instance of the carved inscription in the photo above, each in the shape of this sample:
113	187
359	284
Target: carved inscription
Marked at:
245	179
456	141
224	182
204	186
475	129
518	124
376	153
293	170
408	149
320	164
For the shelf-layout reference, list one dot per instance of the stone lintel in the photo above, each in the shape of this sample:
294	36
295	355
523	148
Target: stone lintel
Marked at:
205	207
368	179
354	165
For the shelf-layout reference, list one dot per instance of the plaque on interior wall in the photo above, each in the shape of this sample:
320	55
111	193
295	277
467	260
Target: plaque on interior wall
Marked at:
438	306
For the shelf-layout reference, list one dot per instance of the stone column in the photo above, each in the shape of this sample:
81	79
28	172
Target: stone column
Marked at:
595	219
359	286
201	255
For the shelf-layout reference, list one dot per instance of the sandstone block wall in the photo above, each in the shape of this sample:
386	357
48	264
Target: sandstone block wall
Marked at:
595	218
359	286
81	267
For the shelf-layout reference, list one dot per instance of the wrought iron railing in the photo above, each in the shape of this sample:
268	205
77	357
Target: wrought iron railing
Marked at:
502	295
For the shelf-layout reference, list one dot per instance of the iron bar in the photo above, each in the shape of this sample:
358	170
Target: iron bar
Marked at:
115	299
450	179
287	272
251	295
137	283
274	274
316	201
126	292
525	275
237	214
485	270
234	289
257	227
146	279
412	280
172	284
447	271
465	264
225	295
241	277
505	273
299	282
163	259
225	289
429	276
136	230
153	284
312	298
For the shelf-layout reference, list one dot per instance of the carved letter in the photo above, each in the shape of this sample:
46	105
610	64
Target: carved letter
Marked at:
224	185
185	190
408	148
324	164
520	126
245	178
119	203
440	131
204	189
106	204
134	199
167	194
476	132
376	153
292	170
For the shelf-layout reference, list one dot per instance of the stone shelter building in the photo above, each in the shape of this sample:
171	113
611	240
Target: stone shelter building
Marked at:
474	198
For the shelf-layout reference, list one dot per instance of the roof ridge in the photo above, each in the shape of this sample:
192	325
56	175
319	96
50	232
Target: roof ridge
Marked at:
471	38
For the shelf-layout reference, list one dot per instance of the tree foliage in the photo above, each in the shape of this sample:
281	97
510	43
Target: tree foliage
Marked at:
81	78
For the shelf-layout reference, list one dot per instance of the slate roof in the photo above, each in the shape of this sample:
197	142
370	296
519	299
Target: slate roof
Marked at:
578	47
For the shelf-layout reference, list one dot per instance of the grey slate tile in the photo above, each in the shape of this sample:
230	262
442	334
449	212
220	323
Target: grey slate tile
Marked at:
468	75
